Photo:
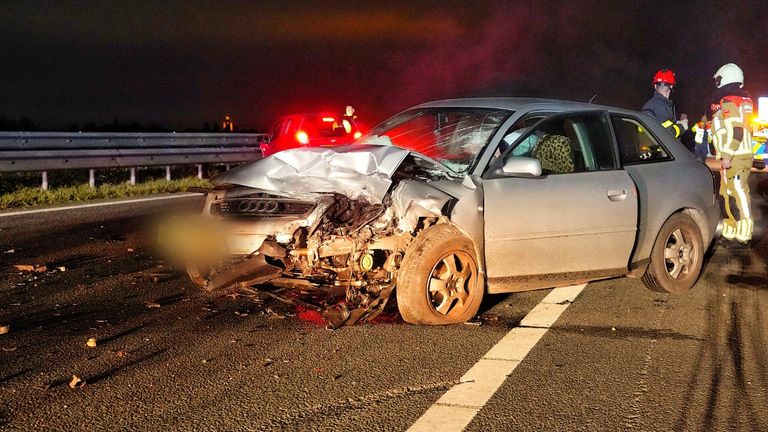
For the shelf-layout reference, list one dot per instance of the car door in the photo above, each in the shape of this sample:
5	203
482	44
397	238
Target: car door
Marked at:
579	217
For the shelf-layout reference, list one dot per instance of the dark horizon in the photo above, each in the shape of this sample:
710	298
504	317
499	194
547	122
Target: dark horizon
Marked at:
180	64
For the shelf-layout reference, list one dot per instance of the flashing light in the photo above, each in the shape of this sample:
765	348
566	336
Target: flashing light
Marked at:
302	137
329	119
358	134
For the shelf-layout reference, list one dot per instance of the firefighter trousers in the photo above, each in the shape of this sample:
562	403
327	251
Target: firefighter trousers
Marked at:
734	188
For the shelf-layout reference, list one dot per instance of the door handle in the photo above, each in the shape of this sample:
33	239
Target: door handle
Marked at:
617	195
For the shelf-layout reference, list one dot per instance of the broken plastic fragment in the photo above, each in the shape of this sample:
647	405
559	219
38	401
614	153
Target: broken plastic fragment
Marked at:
5	329
91	343
76	382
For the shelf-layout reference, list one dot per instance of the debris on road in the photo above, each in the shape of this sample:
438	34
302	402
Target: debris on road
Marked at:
76	382
10	251
5	329
31	268
273	314
151	304
61	269
474	322
9	349
91	343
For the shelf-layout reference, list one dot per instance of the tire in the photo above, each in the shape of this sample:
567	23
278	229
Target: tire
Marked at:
445	259
677	256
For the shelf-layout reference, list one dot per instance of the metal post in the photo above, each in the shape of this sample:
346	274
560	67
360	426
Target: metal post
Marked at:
133	176
167	173
92	178
44	186
200	171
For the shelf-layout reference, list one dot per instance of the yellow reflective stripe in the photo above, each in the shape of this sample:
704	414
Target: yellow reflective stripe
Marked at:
667	124
677	131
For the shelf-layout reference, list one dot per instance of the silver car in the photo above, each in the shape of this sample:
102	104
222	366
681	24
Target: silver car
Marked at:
453	199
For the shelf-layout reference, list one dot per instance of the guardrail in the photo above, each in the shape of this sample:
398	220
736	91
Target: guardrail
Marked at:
48	151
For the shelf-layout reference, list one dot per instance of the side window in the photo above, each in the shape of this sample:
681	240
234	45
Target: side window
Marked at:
569	144
636	145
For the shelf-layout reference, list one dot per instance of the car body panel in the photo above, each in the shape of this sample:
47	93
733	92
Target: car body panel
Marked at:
566	222
357	174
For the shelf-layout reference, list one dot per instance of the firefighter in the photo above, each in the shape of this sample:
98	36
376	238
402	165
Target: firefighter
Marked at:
731	108
702	138
661	107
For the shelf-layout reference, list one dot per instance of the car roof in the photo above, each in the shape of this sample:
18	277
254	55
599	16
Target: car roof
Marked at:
517	104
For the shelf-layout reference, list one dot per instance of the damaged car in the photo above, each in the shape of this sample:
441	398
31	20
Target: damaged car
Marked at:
452	200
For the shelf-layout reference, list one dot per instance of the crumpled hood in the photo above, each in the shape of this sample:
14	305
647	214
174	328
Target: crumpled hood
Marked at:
357	171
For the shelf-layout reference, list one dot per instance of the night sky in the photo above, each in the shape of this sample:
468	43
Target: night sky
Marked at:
181	63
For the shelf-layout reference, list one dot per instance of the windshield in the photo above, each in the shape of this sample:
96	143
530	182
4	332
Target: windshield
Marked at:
451	136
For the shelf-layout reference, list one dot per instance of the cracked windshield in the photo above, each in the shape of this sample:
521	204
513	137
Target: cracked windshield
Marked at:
452	137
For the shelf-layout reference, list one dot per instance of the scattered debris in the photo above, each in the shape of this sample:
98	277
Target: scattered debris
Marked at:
76	382
613	328
9	349
151	304
130	249
5	329
273	314
91	343
120	353
267	362
31	268
61	269
10	251
160	277
241	314
474	322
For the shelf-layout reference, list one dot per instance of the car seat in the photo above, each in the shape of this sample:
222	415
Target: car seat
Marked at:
555	154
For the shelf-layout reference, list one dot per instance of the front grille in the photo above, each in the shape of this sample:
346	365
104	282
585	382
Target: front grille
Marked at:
252	208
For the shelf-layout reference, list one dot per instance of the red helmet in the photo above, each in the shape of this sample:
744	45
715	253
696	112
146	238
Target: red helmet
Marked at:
664	76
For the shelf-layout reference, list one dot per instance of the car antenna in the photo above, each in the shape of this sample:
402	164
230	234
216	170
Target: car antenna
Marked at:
592	99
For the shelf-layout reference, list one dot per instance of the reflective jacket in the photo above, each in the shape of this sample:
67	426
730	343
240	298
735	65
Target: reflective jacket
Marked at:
664	110
731	108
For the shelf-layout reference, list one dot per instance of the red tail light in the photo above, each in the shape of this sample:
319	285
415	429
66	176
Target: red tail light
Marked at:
302	137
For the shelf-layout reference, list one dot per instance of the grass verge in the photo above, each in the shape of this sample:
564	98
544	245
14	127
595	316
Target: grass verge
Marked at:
33	196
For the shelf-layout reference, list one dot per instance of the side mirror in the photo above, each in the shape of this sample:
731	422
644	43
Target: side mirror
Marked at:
522	166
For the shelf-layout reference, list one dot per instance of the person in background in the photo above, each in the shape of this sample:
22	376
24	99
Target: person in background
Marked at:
660	105
702	138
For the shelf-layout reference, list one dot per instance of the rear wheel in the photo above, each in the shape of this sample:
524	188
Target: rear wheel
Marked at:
439	282
677	256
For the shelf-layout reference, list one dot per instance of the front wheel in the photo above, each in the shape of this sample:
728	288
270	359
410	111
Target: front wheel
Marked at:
677	256
439	282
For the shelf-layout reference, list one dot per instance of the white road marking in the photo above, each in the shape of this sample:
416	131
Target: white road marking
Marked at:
459	405
101	204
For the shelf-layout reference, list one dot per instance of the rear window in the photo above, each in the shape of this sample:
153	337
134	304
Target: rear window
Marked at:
323	126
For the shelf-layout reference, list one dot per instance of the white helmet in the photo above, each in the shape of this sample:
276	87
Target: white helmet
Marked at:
729	74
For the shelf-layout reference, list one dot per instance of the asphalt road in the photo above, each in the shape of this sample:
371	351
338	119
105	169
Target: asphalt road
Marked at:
169	356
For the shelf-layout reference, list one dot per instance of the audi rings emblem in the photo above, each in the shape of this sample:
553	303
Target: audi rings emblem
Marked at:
257	206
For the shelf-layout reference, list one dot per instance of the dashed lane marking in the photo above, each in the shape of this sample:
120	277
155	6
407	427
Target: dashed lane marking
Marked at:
461	403
101	204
